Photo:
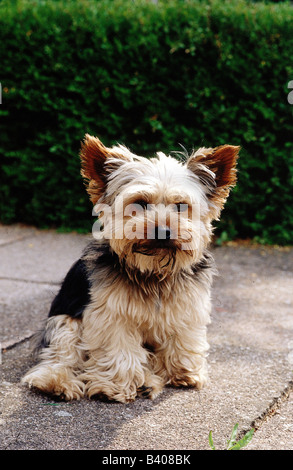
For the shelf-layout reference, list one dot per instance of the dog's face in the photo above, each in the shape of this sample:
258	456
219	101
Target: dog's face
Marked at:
157	213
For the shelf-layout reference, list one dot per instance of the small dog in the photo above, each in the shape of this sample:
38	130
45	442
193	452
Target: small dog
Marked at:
132	312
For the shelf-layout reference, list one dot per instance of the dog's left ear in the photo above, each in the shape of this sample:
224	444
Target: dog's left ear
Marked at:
216	170
97	163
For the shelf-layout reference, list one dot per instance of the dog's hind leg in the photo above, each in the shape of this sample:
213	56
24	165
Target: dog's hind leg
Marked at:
61	359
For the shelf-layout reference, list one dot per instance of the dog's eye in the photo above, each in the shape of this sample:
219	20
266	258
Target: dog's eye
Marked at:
181	206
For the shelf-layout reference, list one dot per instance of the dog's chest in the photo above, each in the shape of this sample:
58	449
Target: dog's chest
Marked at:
147	303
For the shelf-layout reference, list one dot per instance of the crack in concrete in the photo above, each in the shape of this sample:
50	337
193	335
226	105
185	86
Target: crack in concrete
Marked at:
6	345
270	411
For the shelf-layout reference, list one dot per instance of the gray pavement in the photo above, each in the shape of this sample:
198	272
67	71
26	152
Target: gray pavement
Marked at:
250	359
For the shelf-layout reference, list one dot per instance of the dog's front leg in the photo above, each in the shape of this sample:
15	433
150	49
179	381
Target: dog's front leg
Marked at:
117	362
181	359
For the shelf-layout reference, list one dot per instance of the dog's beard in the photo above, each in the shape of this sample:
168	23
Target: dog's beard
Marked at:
164	252
160	257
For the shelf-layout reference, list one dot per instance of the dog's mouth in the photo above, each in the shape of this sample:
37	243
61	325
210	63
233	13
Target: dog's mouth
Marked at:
164	250
154	248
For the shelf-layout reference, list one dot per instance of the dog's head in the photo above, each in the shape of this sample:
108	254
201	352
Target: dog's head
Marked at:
156	213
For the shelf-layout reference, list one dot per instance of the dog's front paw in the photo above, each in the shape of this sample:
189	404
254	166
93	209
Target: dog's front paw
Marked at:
195	379
151	388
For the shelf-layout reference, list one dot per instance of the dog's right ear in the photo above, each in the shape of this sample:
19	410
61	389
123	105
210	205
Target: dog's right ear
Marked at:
97	162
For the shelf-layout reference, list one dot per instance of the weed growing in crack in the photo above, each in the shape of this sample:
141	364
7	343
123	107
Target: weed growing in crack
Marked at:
232	443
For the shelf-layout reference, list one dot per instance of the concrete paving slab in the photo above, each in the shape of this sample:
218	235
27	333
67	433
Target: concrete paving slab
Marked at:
250	365
23	308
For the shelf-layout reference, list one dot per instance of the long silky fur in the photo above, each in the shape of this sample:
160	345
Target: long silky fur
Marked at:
131	314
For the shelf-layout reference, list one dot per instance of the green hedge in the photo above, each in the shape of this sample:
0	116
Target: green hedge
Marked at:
152	77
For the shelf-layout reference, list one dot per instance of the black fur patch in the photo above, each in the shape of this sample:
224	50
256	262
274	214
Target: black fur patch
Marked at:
74	294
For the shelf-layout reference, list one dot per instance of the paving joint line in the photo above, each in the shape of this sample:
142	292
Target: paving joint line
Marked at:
29	281
270	411
16	240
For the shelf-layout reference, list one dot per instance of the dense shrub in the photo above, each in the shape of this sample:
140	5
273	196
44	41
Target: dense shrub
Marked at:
153	77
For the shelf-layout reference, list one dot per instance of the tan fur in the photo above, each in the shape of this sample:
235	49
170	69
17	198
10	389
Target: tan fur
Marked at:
119	322
145	325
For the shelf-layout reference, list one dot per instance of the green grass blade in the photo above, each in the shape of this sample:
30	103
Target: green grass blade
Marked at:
211	442
232	440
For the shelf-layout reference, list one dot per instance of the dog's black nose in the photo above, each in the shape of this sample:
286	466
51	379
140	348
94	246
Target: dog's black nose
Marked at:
162	233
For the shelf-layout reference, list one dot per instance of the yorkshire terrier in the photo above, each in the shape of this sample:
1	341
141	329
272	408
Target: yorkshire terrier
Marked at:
132	312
